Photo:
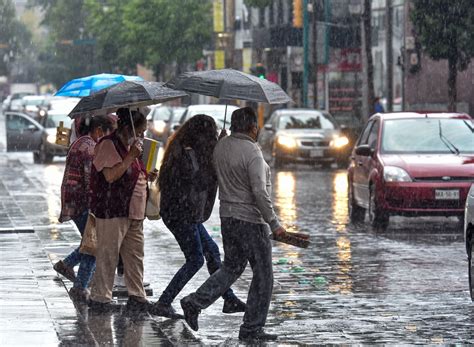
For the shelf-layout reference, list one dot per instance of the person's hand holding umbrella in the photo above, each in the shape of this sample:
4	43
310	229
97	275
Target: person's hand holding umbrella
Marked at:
136	149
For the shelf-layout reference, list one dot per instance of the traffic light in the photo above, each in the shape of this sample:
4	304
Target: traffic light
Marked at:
298	13
259	71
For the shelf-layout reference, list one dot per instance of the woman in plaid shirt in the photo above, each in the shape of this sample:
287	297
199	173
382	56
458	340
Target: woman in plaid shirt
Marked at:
75	200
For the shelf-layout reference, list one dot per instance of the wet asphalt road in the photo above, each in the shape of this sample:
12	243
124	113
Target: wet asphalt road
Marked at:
352	285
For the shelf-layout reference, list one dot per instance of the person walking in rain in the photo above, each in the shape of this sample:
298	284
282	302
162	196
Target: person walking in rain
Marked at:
246	211
188	185
378	107
118	187
75	201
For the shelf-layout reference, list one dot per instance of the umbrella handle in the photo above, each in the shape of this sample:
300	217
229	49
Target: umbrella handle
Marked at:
133	125
225	116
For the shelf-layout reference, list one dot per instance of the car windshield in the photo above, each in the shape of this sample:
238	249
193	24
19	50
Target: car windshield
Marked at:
53	120
428	135
305	121
217	114
162	113
33	102
178	112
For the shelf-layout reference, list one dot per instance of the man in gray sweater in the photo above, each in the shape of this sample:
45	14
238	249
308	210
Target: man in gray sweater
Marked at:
246	211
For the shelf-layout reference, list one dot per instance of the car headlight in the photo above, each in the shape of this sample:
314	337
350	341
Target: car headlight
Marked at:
286	141
51	138
339	142
395	174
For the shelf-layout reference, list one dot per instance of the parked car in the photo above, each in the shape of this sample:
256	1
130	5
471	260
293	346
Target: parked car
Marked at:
59	109
162	120
303	136
469	237
23	133
411	164
216	111
14	98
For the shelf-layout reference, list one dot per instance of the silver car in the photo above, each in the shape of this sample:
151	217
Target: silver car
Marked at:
23	132
303	136
469	237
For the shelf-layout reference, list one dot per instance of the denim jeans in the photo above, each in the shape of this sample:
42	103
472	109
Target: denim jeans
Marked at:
86	262
197	245
244	243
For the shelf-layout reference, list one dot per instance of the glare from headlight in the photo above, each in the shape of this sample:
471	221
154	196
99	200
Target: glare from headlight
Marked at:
286	141
159	126
51	138
395	174
339	142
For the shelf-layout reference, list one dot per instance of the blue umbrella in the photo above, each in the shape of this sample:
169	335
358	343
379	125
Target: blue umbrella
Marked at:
86	86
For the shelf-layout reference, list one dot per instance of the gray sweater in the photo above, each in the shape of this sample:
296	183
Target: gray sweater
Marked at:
244	181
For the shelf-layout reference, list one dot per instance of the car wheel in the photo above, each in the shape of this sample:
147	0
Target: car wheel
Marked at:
378	217
43	156
36	158
356	213
342	163
277	162
470	254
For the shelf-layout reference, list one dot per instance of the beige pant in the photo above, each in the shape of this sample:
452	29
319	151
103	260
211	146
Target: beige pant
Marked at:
114	236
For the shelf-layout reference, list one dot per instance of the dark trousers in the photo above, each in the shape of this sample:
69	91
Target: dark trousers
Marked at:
243	242
197	245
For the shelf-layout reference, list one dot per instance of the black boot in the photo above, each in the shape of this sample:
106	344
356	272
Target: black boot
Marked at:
191	313
258	335
137	304
164	310
233	305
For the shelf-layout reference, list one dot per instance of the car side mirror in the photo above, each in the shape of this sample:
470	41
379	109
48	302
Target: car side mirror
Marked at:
31	128
364	150
268	127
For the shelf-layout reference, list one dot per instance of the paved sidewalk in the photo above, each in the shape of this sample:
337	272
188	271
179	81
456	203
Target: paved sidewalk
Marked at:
35	306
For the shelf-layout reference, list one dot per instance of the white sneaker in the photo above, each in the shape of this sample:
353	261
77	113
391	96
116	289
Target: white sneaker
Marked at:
119	281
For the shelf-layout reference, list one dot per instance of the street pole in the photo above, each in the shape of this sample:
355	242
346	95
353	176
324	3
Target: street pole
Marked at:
305	52
315	57
389	51
327	28
404	56
367	62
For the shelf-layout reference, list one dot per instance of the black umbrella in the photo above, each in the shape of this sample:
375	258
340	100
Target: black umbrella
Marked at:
230	84
125	94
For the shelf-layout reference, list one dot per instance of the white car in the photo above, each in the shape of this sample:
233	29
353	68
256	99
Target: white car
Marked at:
469	237
214	110
32	104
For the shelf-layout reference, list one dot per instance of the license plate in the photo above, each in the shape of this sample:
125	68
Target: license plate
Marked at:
452	194
314	153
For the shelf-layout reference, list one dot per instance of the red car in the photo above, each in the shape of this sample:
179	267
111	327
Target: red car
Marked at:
411	164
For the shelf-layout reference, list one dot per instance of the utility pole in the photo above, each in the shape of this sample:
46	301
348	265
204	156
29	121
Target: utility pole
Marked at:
315	57
367	62
305	52
327	29
389	52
